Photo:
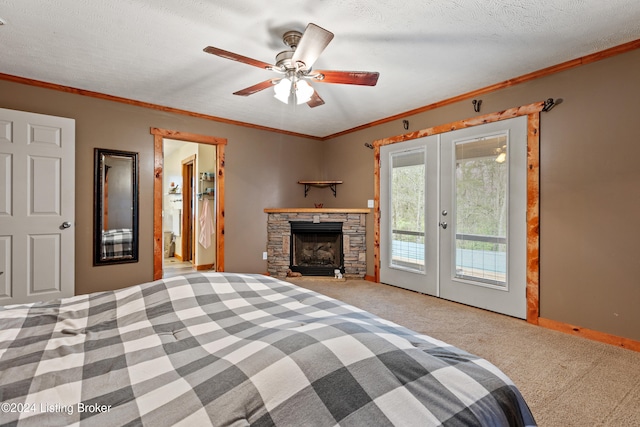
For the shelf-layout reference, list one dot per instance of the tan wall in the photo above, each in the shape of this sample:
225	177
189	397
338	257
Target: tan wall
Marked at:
590	181
262	170
589	190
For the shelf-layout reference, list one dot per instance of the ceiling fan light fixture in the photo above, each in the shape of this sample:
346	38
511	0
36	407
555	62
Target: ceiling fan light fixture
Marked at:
282	90
296	91
304	91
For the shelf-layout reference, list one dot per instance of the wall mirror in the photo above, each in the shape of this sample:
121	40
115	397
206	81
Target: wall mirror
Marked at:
115	207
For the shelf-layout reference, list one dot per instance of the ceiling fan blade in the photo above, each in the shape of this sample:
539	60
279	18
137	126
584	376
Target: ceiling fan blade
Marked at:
315	100
314	40
257	87
235	57
364	78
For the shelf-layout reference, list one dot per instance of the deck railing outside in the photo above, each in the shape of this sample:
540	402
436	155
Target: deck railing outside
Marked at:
487	265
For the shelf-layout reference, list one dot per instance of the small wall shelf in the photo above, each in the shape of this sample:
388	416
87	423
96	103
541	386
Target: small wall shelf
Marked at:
206	177
319	184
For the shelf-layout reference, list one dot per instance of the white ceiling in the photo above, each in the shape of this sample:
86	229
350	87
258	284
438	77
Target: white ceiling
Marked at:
425	50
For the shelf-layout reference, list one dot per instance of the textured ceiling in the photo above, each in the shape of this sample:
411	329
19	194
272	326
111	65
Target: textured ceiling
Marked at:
424	50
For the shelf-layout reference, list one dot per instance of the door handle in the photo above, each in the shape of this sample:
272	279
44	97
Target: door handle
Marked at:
65	224
443	225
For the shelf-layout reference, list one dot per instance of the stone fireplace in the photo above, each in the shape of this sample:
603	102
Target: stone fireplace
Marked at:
316	241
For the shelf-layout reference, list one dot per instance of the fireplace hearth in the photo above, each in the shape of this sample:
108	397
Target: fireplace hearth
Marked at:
316	248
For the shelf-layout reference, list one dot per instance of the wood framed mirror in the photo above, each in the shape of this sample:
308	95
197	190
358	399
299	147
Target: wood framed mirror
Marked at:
115	207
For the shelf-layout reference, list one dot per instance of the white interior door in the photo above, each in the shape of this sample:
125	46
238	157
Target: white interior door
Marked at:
453	215
37	207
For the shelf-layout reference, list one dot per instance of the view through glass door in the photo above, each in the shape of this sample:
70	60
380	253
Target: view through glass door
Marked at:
472	246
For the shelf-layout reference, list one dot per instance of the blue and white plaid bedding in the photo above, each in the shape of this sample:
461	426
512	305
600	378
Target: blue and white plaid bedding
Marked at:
236	349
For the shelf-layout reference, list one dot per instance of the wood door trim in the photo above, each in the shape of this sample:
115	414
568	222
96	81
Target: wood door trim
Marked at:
220	143
532	111
533	217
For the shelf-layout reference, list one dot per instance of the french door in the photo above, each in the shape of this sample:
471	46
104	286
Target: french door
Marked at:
453	215
409	209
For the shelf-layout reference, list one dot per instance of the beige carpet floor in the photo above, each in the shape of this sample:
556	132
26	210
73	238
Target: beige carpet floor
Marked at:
566	380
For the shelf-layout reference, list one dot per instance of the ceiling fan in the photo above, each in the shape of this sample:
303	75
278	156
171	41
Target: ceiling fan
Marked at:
295	67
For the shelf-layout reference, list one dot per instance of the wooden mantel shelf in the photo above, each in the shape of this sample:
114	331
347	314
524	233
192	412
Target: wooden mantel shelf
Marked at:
321	184
317	210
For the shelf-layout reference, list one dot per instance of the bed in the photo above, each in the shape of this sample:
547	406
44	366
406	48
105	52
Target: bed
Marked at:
229	349
117	243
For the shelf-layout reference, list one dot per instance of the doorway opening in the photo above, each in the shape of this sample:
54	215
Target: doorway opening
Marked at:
187	254
183	193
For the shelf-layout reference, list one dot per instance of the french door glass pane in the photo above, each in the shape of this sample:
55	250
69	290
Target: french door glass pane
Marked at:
407	209
481	193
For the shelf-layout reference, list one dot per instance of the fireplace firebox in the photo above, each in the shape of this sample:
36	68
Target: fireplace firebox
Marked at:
316	248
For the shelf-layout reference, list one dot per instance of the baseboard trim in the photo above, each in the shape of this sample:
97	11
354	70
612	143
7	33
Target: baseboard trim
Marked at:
370	278
590	334
204	267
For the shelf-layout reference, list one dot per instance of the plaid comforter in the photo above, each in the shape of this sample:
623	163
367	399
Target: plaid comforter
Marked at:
117	243
231	349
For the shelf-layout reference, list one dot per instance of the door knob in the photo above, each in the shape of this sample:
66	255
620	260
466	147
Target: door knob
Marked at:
66	224
443	225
